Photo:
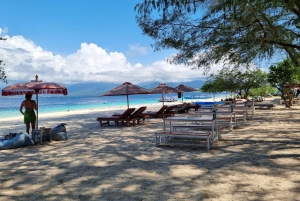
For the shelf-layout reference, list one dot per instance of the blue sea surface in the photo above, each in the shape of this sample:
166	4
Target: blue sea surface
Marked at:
10	105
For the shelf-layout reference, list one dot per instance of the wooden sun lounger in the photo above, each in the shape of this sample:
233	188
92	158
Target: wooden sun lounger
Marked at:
157	114
195	107
180	108
123	118
136	115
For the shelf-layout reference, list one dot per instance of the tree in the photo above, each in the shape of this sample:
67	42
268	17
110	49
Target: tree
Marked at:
284	76
235	79
264	90
2	72
208	31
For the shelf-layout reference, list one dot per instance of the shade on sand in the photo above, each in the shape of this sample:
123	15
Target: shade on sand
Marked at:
126	89
35	87
162	88
185	88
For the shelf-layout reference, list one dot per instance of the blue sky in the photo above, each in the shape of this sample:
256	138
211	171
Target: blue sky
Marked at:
81	41
61	26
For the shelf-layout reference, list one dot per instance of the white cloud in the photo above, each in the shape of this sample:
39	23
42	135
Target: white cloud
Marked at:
136	50
23	60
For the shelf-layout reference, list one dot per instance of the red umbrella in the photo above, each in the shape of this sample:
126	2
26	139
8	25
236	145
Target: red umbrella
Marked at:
126	89
35	87
185	88
164	89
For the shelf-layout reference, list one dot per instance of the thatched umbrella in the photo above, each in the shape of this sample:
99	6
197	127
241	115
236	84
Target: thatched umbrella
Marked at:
126	89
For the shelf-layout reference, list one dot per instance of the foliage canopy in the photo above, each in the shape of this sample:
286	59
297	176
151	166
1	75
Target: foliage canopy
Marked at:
236	79
208	31
284	76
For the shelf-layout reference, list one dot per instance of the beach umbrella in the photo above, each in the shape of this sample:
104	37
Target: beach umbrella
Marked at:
126	89
162	88
185	88
35	87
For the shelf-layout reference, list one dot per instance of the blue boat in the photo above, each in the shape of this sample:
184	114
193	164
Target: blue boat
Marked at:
198	97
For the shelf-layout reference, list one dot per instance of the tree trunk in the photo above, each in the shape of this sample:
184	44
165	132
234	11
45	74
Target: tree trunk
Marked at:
287	96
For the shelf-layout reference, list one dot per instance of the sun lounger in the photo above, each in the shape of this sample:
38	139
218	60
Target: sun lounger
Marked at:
136	115
125	117
157	114
180	108
169	111
192	106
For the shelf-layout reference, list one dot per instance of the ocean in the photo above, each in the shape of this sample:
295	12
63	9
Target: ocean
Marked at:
10	105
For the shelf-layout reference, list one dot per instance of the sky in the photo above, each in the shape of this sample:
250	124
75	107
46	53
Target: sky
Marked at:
73	41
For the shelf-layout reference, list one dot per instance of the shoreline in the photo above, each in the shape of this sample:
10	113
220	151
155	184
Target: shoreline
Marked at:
55	105
96	111
51	119
106	109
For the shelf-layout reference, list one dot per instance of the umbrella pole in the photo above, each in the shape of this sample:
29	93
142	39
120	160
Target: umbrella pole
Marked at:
182	97
37	111
127	102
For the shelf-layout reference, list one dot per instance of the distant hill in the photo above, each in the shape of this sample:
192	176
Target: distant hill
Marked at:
90	89
195	84
98	88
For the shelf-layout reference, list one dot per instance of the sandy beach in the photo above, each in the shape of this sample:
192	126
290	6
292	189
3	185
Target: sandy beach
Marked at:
258	160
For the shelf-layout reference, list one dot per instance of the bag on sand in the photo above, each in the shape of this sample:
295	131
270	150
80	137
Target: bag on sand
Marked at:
19	140
59	132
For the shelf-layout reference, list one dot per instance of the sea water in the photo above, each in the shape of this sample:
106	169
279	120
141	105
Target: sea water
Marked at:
10	105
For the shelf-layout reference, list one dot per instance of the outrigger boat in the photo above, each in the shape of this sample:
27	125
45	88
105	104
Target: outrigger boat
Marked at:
198	97
166	99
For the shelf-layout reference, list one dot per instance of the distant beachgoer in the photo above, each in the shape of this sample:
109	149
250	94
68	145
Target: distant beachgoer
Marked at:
29	114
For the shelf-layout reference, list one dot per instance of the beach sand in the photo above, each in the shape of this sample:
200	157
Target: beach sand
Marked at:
258	160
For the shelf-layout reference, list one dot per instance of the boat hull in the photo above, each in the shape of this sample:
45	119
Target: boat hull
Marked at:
197	97
167	100
209	103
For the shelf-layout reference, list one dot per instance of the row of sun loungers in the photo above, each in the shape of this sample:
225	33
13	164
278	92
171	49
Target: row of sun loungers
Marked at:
131	116
134	116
